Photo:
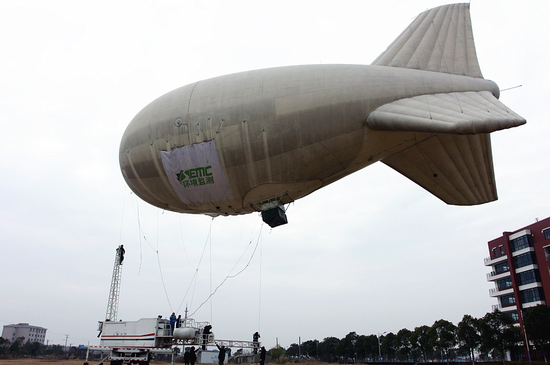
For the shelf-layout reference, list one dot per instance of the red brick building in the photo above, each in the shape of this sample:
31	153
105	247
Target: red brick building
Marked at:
520	268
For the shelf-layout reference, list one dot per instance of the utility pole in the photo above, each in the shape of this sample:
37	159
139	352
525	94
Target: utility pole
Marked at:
112	305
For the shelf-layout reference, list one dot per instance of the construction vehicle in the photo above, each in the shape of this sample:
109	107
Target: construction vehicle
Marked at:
137	342
126	342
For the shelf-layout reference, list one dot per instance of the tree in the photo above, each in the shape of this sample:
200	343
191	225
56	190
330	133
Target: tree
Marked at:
310	348
420	339
33	348
367	346
388	345
443	336
537	322
403	342
77	352
360	347
346	346
293	350
498	333
56	350
327	349
468	335
17	346
277	352
4	346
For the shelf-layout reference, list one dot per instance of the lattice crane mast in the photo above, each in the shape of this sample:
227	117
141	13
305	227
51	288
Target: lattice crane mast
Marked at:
112	305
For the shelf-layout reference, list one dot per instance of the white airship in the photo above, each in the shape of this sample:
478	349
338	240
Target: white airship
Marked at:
256	140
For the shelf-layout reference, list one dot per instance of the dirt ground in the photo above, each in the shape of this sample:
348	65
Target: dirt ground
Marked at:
55	362
39	362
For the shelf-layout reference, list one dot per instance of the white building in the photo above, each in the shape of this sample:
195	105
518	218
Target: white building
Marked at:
31	333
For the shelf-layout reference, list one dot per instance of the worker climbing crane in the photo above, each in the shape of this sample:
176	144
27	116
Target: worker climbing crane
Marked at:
112	305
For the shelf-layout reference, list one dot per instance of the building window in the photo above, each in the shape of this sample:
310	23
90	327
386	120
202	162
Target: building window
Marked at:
501	250
547	252
514	315
531	295
502	267
507	300
525	259
504	283
521	243
547	233
528	277
495	253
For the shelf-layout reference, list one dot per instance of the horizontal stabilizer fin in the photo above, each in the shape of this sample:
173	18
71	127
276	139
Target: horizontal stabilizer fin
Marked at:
458	169
439	40
457	113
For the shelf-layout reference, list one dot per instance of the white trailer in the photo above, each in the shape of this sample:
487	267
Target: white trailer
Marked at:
136	342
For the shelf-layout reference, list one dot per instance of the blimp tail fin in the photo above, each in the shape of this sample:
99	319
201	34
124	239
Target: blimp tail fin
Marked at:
458	169
470	112
455	164
439	40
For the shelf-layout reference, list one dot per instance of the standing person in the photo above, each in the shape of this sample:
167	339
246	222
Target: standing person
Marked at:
193	355
255	342
186	357
262	356
205	332
221	356
121	252
178	322
173	320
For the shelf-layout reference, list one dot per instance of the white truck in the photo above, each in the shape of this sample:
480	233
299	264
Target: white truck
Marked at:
127	342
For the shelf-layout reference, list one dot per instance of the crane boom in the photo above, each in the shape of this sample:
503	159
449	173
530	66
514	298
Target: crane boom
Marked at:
112	305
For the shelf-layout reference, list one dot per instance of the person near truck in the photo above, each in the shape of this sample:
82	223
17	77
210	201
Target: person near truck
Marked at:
221	356
193	355
173	320
205	332
262	356
255	341
186	357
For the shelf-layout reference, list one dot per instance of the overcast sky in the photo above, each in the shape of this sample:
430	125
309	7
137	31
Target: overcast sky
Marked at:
370	253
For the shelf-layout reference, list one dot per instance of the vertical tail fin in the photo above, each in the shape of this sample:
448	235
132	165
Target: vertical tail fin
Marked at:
439	40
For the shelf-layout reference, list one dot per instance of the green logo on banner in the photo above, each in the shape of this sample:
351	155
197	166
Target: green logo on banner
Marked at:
195	177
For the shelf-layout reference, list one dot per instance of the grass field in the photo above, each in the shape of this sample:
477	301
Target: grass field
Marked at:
55	362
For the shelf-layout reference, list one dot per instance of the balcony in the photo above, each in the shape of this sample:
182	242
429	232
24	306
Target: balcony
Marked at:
497	260
523	250
533	304
507	308
536	284
527	268
493	276
497	293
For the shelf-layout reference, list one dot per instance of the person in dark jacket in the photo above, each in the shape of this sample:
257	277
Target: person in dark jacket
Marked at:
262	356
186	357
193	355
121	251
221	356
255	341
173	320
205	332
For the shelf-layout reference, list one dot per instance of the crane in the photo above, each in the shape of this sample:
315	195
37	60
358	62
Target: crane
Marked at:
112	305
